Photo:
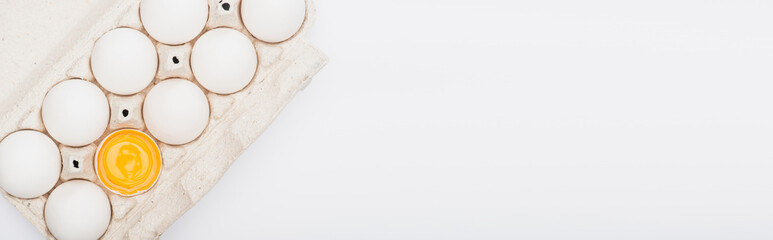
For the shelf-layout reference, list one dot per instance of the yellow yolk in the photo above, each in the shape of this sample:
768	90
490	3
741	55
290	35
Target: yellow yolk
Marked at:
128	162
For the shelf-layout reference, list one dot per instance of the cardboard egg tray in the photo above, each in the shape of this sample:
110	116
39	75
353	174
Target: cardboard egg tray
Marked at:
189	170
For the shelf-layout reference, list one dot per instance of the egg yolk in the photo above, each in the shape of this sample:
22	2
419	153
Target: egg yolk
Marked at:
128	162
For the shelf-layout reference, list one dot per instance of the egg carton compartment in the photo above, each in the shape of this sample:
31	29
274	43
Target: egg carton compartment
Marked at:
78	162
174	61
189	170
125	112
225	13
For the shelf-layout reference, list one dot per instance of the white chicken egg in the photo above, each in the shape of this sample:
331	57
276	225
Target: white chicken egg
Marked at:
124	61
273	20
75	112
174	21
30	164
176	111
77	210
224	60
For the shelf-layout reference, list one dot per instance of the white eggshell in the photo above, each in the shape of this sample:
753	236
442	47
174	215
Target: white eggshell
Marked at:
176	111
273	20
223	60
77	210
124	61
75	112
174	21
30	164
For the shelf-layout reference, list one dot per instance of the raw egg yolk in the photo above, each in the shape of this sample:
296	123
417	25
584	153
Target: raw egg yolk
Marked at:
128	162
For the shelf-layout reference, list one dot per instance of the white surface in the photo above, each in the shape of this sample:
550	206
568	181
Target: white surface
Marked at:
174	21
124	61
77	210
494	119
176	111
75	112
223	60
273	20
30	164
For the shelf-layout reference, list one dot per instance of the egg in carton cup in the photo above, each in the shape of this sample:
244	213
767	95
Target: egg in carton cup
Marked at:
127	152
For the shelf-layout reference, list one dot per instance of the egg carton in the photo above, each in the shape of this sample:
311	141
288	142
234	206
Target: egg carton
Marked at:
189	170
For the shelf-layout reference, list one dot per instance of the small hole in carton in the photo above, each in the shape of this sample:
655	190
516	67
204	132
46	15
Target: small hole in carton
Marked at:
226	6
175	60
125	113
75	164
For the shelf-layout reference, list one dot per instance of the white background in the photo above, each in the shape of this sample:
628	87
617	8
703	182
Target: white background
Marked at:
493	119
